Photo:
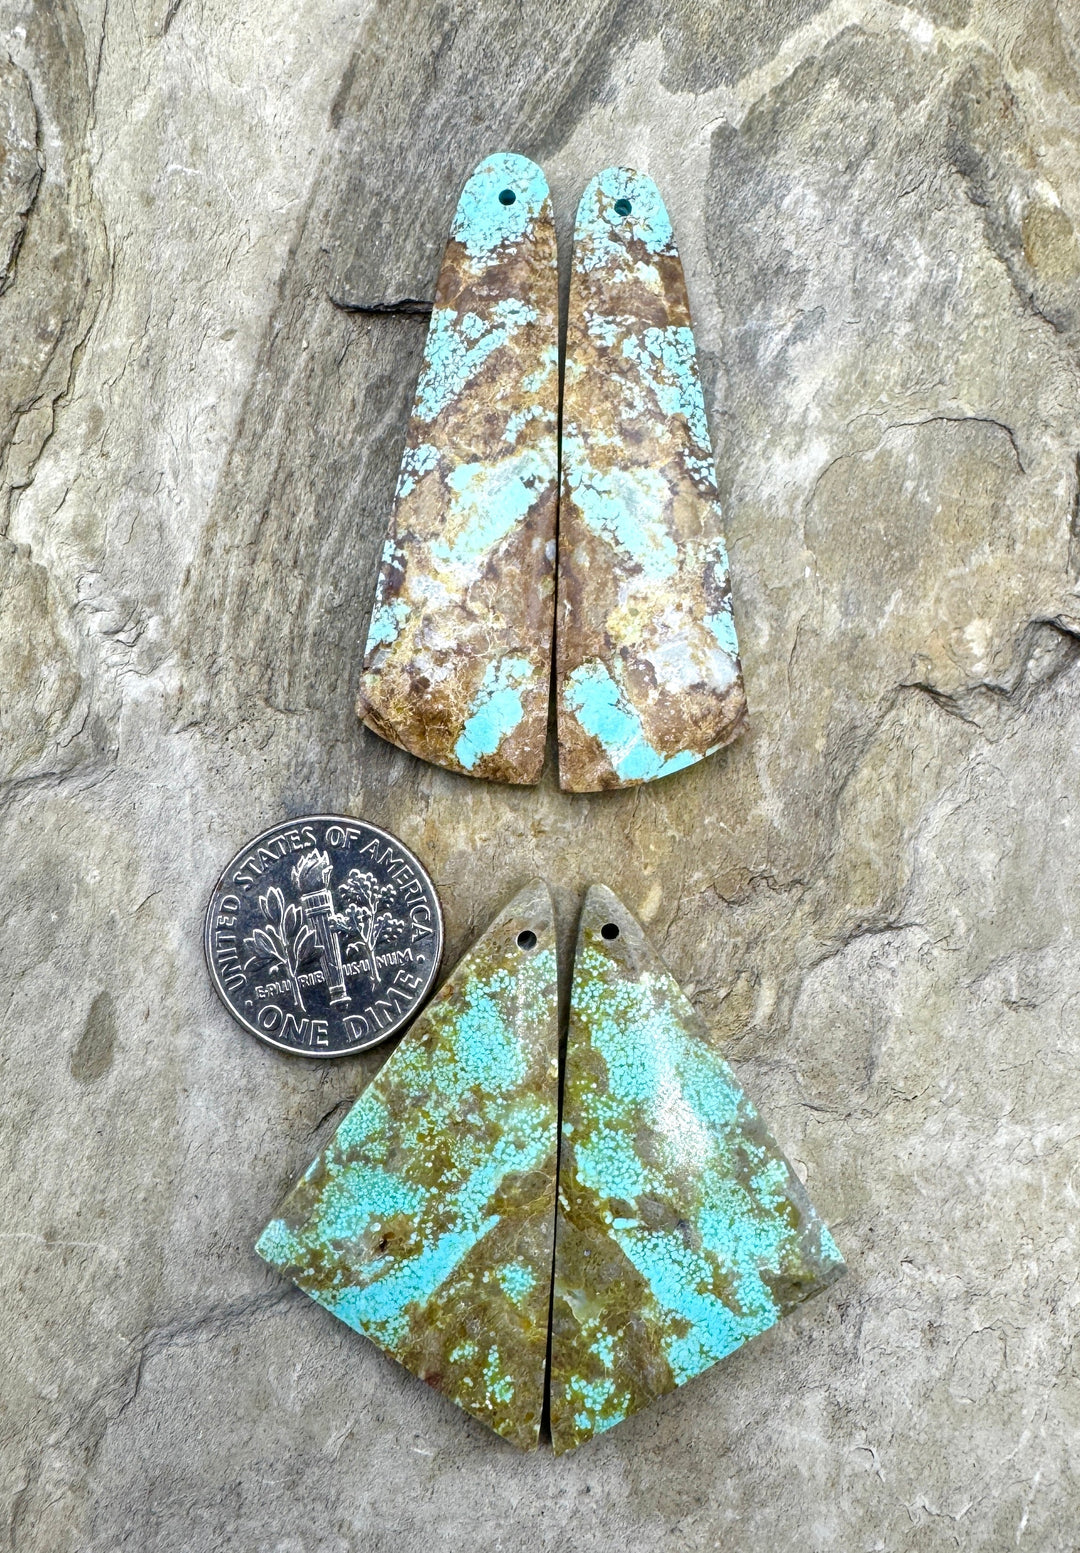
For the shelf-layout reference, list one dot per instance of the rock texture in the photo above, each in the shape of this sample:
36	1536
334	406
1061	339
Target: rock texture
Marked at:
873	898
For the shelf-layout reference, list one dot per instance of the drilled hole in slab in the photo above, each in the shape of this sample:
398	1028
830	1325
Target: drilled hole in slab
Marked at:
609	930
623	207
507	197
526	939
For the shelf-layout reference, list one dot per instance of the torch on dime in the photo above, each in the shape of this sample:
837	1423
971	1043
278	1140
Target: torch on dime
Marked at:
323	936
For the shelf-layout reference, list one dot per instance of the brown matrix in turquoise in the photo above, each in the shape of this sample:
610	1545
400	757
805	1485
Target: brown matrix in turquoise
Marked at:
682	1230
649	679
458	654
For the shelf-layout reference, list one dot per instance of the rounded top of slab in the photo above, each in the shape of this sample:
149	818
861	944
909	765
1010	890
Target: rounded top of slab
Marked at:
621	205
610	927
629	951
499	203
532	906
524	928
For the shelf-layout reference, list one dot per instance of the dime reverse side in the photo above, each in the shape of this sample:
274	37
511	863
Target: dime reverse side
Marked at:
323	936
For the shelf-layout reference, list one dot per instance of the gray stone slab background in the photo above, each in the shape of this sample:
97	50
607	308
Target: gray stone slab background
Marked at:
873	897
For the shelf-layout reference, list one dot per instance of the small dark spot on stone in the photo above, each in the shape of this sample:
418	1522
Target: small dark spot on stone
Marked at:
93	1054
623	207
507	197
526	939
610	930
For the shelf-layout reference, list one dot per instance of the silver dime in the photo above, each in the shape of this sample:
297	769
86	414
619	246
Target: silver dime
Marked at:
323	936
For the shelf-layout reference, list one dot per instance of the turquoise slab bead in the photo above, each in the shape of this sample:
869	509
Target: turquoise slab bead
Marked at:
458	653
648	677
682	1231
427	1224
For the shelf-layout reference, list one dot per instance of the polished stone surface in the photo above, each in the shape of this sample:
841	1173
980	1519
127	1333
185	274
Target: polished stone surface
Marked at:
649	679
427	1222
682	1230
457	662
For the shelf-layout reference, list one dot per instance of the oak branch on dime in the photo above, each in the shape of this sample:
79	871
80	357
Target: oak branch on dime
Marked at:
365	919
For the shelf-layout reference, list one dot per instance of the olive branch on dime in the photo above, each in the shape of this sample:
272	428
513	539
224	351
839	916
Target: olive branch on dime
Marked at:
285	940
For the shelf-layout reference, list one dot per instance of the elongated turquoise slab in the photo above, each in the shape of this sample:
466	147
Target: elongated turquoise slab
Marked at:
427	1223
458	654
682	1231
648	673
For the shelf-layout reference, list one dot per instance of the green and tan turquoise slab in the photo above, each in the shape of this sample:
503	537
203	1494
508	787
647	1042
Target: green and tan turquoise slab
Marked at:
648	676
458	655
681	1231
427	1223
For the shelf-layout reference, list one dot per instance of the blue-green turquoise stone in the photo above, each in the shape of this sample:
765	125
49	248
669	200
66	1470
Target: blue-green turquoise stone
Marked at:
458	654
427	1223
648	676
682	1231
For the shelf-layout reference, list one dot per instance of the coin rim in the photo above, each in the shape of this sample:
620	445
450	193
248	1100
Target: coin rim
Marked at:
261	1035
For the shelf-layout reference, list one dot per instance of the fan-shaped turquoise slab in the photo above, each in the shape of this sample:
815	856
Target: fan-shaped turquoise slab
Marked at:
427	1223
682	1230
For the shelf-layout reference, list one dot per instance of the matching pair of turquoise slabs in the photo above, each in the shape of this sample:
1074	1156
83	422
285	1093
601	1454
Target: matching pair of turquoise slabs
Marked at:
514	531
511	1258
530	1250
